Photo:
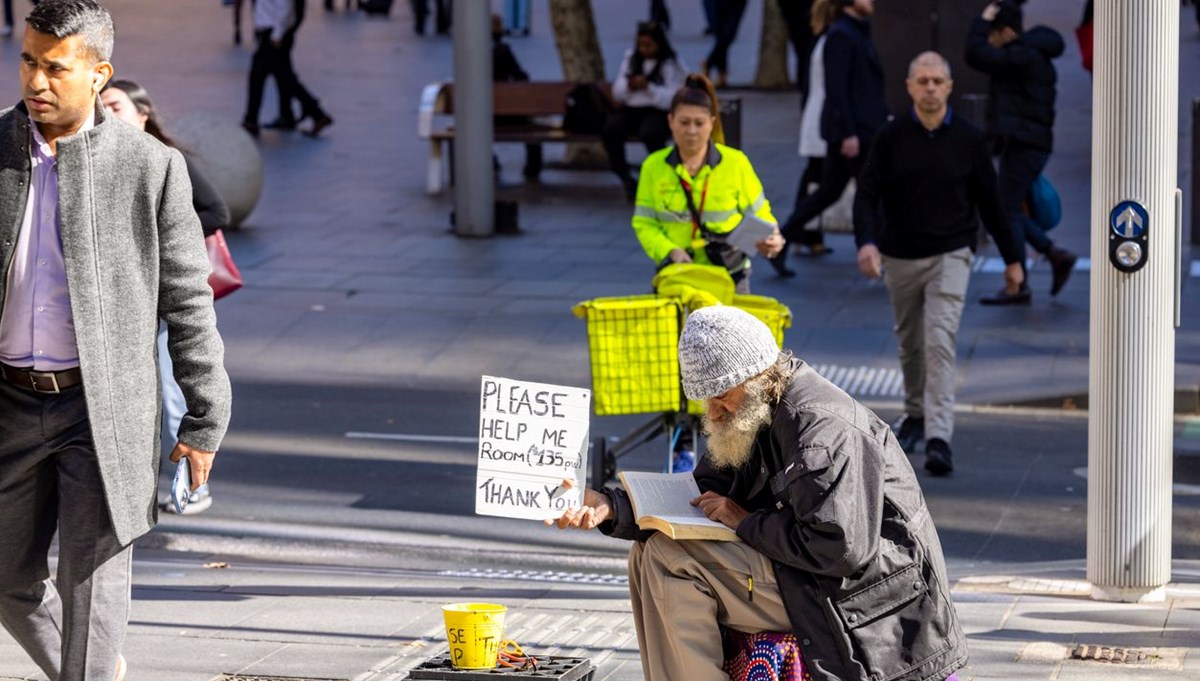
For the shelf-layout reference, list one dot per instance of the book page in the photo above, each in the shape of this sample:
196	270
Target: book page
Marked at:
666	495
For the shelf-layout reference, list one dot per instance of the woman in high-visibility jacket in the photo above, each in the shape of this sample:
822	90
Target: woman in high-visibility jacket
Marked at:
692	195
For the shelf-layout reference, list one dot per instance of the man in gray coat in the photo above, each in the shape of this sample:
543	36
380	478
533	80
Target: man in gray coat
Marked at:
98	242
836	546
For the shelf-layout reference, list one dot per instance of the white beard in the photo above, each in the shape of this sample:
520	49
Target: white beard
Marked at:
731	439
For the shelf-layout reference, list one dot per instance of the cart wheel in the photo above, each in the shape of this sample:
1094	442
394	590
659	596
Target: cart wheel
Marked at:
604	464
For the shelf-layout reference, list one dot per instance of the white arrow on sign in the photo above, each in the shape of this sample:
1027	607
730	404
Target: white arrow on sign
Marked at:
1128	221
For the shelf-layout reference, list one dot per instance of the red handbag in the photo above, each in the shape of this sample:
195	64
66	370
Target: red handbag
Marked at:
1083	34
225	277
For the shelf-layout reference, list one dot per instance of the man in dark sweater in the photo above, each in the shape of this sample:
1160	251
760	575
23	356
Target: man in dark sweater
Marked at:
928	175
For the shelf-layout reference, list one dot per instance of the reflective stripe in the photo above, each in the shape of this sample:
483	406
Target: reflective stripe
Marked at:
717	216
758	203
644	212
670	216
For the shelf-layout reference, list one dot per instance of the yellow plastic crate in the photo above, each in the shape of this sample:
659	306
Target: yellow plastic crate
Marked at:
632	344
769	311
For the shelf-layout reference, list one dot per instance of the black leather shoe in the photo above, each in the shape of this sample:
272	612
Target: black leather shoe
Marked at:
1062	263
1021	297
320	122
938	457
779	262
909	431
251	128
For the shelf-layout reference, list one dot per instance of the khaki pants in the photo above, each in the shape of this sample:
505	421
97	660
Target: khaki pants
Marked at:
927	301
682	591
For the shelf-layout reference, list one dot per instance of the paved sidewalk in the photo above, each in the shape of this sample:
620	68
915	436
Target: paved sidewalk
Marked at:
194	621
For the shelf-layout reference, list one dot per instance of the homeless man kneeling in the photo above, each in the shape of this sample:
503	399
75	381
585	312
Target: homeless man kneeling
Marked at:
833	527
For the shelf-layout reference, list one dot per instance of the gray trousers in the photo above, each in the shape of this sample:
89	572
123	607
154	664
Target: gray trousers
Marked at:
682	590
927	301
50	479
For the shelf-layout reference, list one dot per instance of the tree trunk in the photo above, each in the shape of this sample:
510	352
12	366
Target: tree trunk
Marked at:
578	46
772	50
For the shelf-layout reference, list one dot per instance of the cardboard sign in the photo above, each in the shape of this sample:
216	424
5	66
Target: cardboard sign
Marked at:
532	436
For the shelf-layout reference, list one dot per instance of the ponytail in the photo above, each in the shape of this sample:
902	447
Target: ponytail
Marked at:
824	13
698	90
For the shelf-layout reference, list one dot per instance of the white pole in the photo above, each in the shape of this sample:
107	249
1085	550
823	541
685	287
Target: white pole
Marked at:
1134	256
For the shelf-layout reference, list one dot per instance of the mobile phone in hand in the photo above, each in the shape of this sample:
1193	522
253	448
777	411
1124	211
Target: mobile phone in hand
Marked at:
181	486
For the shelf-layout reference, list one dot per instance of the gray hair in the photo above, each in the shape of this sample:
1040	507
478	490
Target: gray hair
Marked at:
65	18
930	59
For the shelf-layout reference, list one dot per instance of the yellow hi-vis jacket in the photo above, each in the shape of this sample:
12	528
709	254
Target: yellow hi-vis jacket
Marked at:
661	218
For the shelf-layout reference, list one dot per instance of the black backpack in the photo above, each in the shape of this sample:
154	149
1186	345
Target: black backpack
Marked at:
587	109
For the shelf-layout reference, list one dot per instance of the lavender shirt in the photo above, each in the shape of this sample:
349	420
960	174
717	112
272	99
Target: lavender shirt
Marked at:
36	326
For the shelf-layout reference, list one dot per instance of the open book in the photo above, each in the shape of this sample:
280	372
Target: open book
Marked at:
661	501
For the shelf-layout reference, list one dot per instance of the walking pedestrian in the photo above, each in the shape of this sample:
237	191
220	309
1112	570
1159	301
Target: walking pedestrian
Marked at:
836	544
420	10
101	242
853	112
797	14
276	23
727	16
692	195
1021	117
812	145
130	102
650	75
928	175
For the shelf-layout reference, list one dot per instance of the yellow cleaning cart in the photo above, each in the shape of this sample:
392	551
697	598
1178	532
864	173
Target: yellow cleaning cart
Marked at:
632	344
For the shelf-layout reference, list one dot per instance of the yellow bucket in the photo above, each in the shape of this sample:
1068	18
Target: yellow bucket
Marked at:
474	631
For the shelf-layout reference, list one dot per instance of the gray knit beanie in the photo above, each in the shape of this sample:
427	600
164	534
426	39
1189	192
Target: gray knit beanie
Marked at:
720	348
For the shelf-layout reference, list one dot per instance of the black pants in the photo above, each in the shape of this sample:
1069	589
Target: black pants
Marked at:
836	173
728	15
8	15
1020	165
659	13
421	15
270	60
647	122
795	15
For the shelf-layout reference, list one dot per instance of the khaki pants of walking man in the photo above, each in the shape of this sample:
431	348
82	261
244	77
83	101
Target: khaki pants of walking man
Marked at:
682	590
927	300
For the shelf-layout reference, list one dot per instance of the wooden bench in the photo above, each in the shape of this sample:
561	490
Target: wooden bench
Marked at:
525	112
537	108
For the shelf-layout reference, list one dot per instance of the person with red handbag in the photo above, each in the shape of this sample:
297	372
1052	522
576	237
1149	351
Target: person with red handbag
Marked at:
130	102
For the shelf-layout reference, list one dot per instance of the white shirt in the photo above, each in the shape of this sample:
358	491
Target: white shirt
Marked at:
659	96
812	145
277	15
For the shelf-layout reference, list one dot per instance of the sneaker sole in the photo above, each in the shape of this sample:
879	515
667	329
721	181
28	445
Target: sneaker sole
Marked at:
936	467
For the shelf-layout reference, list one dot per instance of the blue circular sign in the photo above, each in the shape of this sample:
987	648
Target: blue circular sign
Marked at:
1129	220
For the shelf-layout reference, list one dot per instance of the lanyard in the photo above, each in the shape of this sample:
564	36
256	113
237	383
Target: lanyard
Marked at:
696	212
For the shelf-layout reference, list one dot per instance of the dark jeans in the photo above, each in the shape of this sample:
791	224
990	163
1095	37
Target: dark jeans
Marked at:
269	60
290	86
421	14
795	15
1020	164
836	173
8	15
647	122
728	16
659	13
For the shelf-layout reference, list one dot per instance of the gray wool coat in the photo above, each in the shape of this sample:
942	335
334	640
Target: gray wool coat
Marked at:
134	254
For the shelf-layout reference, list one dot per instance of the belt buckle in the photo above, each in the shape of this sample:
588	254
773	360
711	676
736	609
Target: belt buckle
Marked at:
33	381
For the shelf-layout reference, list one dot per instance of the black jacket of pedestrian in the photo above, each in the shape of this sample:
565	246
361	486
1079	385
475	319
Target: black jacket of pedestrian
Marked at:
835	506
853	84
920	191
1021	102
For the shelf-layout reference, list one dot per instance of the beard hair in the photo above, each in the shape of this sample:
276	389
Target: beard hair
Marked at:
731	439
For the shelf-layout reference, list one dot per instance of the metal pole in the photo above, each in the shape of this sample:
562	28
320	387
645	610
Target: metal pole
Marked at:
474	191
1195	171
1131	386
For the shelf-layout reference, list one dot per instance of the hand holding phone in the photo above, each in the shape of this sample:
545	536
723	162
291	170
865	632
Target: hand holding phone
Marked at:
181	486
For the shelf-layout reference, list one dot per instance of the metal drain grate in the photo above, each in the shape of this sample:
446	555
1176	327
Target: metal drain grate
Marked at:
540	576
1114	655
557	668
243	677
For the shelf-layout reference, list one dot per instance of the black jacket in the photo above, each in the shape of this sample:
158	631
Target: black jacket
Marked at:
921	190
1021	102
856	556
853	83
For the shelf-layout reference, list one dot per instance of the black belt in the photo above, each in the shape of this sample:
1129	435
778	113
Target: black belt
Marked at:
41	381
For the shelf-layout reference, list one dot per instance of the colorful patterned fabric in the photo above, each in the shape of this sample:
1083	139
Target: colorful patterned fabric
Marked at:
768	656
